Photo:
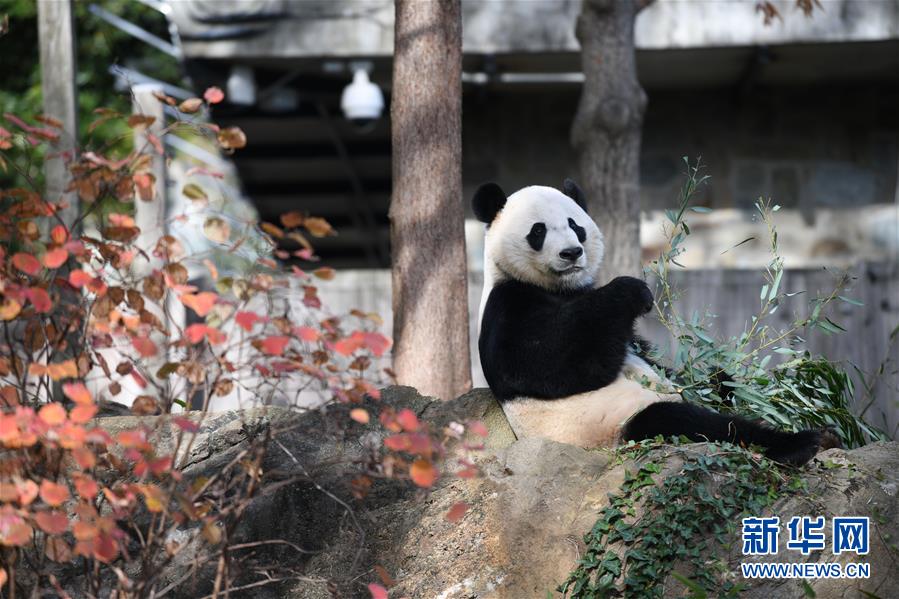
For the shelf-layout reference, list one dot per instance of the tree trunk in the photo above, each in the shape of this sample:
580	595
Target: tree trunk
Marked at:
427	232
607	128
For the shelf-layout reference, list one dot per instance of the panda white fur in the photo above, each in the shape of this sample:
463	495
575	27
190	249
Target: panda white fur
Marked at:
559	351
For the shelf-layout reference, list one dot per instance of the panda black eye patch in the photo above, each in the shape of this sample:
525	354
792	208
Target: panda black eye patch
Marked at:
578	230
536	236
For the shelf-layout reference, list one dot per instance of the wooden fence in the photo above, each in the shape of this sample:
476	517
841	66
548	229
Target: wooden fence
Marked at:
733	297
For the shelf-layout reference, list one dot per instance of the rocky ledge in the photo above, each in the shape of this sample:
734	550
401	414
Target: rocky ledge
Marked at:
529	511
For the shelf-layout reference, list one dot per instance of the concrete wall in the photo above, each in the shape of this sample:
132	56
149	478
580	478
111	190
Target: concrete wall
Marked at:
315	28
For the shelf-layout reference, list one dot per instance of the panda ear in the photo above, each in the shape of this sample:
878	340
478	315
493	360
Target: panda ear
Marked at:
488	200
573	191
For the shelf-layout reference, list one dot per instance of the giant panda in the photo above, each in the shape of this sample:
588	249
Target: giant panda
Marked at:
560	352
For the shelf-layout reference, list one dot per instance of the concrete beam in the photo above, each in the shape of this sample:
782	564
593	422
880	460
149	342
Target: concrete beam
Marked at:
353	28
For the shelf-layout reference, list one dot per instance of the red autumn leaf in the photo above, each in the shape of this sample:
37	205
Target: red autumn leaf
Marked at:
348	345
59	234
215	336
326	273
185	424
318	227
26	263
99	436
79	278
468	472
83	413
201	303
71	434
456	512
36	369
399	442
420	443
195	332
52	522
27	491
9	430
62	370
39	299
105	548
14	531
86	487
478	428
310	297
146	186
141	381
160	466
246	320
307	334
144	346
232	138
97	286
55	258
84	457
77	392
52	414
190	105
377	343
359	415
388	420
157	145
423	473
377	591
84	531
53	494
275	345
213	95
408	420
9	396
133	439
9	309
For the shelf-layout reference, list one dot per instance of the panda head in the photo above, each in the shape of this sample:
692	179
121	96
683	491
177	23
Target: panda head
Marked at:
539	235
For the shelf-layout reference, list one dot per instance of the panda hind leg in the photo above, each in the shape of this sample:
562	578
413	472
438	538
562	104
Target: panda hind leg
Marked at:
671	419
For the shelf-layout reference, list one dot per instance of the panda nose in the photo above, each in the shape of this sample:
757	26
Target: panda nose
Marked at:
571	254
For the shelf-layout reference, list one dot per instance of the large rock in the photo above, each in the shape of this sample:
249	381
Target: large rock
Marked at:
529	511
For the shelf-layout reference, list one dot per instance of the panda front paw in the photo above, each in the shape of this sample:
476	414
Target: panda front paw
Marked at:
636	291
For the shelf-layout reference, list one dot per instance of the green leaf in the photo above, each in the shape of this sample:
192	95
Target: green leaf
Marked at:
830	326
671	215
696	591
849	300
747	240
775	285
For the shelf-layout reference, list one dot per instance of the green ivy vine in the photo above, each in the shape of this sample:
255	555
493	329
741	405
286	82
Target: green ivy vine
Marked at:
654	523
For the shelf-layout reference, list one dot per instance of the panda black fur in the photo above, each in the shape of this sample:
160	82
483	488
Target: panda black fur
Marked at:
559	352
